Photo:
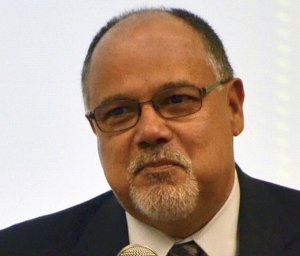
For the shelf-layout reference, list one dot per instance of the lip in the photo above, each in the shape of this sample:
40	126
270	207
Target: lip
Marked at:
158	166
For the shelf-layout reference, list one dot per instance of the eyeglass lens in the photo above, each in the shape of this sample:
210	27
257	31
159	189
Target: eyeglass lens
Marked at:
170	103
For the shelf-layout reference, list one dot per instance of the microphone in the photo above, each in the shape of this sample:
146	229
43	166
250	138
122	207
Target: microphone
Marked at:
137	250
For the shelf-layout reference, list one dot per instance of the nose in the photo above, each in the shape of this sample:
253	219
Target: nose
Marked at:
152	129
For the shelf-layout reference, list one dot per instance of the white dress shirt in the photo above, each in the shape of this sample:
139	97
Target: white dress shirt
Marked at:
218	237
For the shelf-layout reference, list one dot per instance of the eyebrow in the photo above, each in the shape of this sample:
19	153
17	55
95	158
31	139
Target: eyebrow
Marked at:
175	84
164	86
119	96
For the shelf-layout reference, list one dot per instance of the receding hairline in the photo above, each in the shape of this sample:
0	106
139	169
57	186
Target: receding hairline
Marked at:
127	26
130	26
137	17
128	17
218	61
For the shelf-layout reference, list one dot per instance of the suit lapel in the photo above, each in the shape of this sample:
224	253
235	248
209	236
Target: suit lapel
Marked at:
106	234
264	228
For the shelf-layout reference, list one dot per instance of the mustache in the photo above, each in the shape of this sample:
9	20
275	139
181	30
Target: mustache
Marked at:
163	155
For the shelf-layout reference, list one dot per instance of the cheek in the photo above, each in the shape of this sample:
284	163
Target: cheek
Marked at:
209	145
114	157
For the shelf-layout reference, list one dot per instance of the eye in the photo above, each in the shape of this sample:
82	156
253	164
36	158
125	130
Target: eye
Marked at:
117	111
178	98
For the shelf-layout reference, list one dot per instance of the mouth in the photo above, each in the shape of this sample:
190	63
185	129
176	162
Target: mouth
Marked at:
160	166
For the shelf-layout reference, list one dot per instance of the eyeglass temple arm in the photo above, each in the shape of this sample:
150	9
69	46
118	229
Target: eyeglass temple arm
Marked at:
89	115
215	85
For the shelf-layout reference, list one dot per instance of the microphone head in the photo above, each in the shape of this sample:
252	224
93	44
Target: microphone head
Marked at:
136	250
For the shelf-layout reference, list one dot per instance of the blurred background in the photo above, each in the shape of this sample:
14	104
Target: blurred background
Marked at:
48	154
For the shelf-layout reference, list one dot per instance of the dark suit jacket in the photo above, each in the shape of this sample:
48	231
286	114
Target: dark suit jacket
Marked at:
269	224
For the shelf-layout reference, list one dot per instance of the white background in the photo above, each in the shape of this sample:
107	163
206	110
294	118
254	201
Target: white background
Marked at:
48	156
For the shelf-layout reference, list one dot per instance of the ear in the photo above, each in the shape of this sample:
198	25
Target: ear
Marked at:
92	124
235	96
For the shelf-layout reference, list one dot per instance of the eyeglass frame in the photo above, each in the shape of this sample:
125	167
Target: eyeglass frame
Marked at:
90	115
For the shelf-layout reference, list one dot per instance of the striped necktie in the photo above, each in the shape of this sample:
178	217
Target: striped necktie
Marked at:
186	249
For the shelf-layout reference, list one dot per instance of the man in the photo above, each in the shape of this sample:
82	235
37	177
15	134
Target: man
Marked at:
163	102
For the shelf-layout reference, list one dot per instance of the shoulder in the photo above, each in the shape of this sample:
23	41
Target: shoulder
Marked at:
265	194
54	232
269	218
287	199
278	192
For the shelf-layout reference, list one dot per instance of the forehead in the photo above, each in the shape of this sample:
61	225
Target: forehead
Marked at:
147	48
146	26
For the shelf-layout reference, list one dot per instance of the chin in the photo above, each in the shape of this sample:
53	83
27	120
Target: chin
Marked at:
165	201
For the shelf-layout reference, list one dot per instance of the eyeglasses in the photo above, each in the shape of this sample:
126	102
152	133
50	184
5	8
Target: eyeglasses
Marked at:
122	114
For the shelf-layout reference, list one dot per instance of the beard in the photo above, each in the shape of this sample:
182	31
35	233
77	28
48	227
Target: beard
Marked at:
162	199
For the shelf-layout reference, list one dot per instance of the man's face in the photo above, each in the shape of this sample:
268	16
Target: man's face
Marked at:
162	164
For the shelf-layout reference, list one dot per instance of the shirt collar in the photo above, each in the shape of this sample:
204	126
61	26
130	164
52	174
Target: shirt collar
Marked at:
218	237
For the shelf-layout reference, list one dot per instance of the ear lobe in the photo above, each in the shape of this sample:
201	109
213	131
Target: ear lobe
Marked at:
236	95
